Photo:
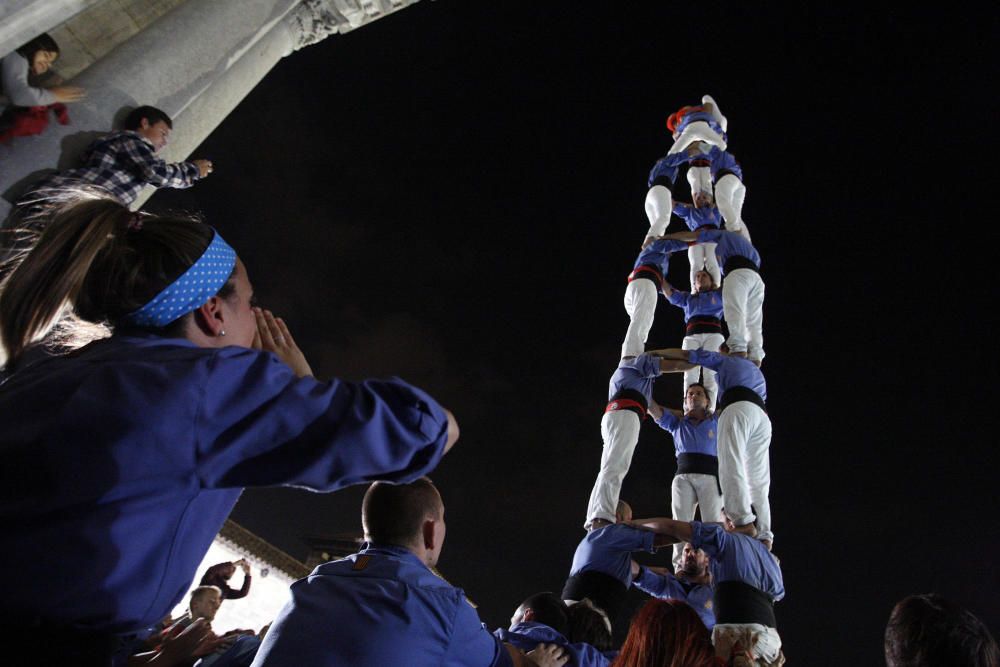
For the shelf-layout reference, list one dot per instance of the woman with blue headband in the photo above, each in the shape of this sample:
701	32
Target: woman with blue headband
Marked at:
122	458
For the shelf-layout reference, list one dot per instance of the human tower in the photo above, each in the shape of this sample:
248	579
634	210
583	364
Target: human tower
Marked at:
722	436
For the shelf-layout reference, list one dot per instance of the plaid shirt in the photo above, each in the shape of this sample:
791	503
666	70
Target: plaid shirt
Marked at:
122	163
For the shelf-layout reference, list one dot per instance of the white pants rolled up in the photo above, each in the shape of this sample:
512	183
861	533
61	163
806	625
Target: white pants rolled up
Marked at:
701	257
763	642
688	491
659	206
640	304
743	305
745	466
729	195
620	431
703	341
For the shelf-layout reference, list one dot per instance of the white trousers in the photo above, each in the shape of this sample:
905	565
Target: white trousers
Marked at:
701	257
697	131
659	205
640	304
763	643
703	341
743	306
690	490
620	431
745	466
729	195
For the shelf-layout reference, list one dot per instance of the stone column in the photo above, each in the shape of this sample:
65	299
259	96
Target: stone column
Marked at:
22	20
196	63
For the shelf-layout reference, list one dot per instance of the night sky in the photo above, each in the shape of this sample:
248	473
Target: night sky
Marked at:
454	195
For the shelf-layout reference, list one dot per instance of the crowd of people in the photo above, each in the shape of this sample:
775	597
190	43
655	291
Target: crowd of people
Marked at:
150	390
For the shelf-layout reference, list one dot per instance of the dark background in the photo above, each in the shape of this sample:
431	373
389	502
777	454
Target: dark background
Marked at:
454	195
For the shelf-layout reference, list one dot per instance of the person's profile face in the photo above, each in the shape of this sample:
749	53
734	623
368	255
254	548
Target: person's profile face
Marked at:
240	321
42	61
157	133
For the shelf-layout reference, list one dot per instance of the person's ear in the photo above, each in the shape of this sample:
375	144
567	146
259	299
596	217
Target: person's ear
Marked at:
529	614
210	318
428	532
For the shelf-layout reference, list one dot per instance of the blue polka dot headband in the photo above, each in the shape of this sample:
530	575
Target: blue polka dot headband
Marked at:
195	286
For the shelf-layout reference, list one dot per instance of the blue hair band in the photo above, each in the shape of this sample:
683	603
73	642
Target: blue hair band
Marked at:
200	282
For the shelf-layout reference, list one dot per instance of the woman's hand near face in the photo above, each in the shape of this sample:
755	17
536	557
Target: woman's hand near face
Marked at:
273	336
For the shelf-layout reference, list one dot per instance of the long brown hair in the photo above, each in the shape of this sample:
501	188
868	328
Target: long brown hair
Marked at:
667	633
95	261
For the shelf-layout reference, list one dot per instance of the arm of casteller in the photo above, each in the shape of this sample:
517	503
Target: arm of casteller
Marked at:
259	425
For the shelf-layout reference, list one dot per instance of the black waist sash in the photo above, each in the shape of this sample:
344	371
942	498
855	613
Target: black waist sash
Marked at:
737	602
740	393
739	262
600	588
649	272
700	324
704	464
628	399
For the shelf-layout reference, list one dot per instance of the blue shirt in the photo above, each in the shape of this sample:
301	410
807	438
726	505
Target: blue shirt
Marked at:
691	437
637	374
526	636
127	456
738	557
698	304
657	254
718	160
698	217
381	606
731	371
723	160
609	550
664	587
666	166
729	244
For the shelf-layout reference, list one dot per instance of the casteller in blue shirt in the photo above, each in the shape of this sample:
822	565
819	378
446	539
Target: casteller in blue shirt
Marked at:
602	563
384	605
127	455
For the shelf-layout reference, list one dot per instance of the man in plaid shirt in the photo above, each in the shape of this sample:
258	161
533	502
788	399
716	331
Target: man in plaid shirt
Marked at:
124	162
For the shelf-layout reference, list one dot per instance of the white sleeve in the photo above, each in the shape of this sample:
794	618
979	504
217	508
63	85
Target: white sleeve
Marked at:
15	83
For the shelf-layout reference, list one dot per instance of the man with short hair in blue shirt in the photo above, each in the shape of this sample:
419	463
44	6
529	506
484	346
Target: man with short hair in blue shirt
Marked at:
742	288
696	482
744	436
703	310
630	392
746	582
691	582
602	564
384	605
644	283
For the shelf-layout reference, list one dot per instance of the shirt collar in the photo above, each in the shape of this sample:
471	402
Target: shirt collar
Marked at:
391	550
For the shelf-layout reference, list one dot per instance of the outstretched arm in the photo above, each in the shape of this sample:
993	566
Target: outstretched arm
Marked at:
674	366
687	237
677	531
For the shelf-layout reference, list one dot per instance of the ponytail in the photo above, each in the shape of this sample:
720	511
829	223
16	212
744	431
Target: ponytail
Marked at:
93	261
